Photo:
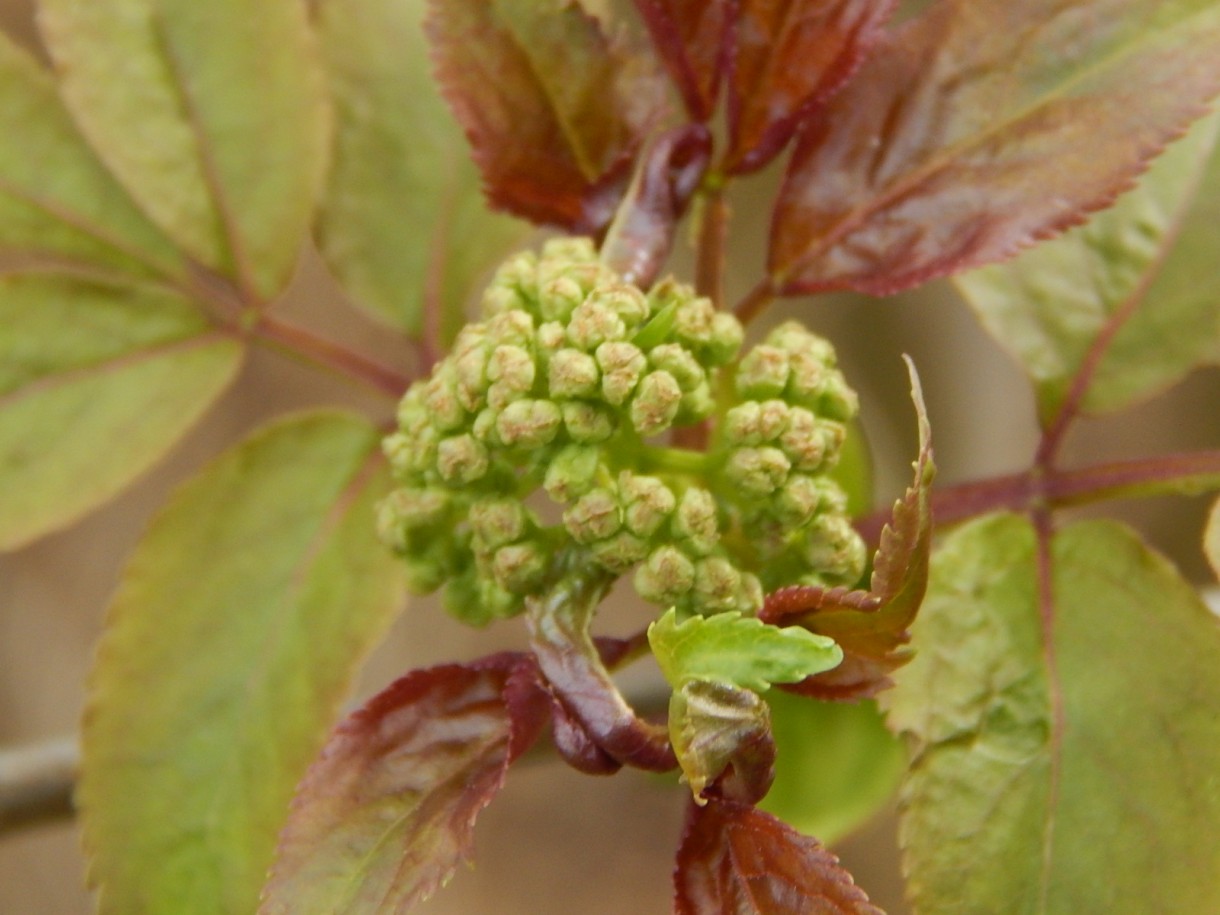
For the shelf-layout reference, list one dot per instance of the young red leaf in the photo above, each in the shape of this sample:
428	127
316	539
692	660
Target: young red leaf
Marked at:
387	812
554	110
736	860
871	627
691	37
722	736
789	58
982	127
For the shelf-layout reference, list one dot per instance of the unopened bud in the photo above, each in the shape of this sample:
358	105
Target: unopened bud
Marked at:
834	551
572	472
655	403
586	423
619	552
622	365
647	503
572	373
497	522
461	459
763	373
519	568
757	471
593	324
717	585
665	577
529	423
694	521
679	362
595	516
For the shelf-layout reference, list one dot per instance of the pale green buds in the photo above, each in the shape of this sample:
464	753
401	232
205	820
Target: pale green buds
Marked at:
529	423
666	576
655	403
573	374
622	366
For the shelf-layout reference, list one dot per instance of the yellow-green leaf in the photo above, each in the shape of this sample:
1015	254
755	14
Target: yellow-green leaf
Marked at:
56	199
1061	711
212	115
1130	299
231	642
96	384
403	222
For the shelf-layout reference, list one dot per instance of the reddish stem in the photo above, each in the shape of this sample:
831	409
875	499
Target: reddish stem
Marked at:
713	233
755	301
298	341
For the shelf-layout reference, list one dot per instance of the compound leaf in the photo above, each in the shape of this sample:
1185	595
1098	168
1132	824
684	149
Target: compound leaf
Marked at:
1129	299
237	627
736	860
554	110
1060	693
402	224
56	199
387	812
983	126
96	384
212	115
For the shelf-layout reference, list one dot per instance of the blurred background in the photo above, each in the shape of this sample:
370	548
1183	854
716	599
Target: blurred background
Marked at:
556	842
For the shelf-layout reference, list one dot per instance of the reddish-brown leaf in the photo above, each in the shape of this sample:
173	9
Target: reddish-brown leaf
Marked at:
982	127
554	110
387	812
736	860
789	56
722	736
691	36
871	627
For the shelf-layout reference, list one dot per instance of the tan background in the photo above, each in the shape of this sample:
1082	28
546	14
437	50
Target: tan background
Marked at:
554	843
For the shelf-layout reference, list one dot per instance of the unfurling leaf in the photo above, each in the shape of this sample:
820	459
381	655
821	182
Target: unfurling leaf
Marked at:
736	860
1061	693
1211	539
1122	307
212	115
716	725
57	201
738	650
554	109
788	58
981	127
387	812
240	620
402	223
690	37
97	383
871	627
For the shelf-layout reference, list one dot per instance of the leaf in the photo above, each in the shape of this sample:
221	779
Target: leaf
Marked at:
736	860
240	620
788	59
387	812
1211	539
96	384
1061	714
56	199
691	39
717	725
984	126
836	764
1128	303
554	110
212	116
738	650
871	627
402	222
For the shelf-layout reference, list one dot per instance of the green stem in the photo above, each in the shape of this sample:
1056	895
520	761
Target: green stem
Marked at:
676	460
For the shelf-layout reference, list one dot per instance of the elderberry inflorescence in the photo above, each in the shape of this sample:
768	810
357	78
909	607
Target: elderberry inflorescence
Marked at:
569	385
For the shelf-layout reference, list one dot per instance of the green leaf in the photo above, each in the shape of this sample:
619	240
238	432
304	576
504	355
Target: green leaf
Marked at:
1211	539
1126	303
836	765
740	650
236	630
212	115
1061	711
96	384
56	199
403	223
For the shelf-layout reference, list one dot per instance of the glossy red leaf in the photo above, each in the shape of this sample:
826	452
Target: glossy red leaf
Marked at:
387	812
554	110
789	56
981	127
736	860
872	627
690	37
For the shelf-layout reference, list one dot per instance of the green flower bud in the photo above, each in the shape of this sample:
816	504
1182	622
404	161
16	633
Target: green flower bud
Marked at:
595	516
519	568
839	401
399	450
763	373
572	472
572	373
471	370
558	298
529	423
550	337
497	522
511	366
647	503
794	337
622	365
679	362
717	585
834	551
694	321
694	523
743	425
812	444
462	459
620	552
799	500
594	323
586	423
696	405
656	403
512	328
441	401
498	299
725	341
626	301
569	250
426	572
518	272
665	577
757	471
